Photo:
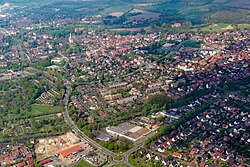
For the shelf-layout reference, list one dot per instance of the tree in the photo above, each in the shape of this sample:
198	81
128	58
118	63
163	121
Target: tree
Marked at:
111	146
159	100
89	134
161	118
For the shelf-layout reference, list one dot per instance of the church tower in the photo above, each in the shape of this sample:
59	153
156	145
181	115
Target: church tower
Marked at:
70	39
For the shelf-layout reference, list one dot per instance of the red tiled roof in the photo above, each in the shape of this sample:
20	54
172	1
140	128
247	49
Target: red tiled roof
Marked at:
242	165
45	161
6	155
69	151
15	148
175	154
28	155
192	153
21	164
217	154
7	159
30	162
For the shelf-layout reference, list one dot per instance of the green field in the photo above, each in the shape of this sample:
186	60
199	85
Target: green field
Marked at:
44	110
215	27
198	12
243	26
192	44
220	27
139	162
119	165
37	110
118	158
114	8
83	164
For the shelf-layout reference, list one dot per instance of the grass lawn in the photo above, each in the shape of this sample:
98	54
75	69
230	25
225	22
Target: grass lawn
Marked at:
37	110
83	164
118	158
139	162
43	110
191	44
119	165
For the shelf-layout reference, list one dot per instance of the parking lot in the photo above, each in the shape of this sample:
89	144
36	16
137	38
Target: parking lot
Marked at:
96	158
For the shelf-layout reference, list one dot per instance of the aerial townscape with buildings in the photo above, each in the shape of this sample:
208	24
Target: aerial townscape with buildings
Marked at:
127	83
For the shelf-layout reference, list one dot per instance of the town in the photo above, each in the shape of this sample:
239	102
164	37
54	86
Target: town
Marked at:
73	94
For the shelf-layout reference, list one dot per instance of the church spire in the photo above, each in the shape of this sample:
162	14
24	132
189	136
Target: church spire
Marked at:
70	39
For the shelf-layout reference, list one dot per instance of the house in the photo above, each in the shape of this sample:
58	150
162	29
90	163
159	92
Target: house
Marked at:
104	137
148	156
32	141
91	119
21	164
217	155
192	153
142	151
46	161
161	149
174	164
176	25
177	155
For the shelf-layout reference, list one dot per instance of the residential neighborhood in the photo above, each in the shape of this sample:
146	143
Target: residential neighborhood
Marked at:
125	83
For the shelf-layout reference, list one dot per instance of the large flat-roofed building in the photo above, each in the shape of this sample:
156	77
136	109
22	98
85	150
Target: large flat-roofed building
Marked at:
139	133
70	151
128	130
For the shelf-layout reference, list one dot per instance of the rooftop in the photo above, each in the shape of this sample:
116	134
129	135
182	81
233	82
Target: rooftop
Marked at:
69	151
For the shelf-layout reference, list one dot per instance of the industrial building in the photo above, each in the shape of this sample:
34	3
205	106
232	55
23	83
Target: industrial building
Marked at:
128	130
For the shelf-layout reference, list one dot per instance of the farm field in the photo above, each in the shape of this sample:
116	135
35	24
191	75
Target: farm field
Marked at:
127	29
243	26
145	15
115	10
198	12
220	27
245	4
